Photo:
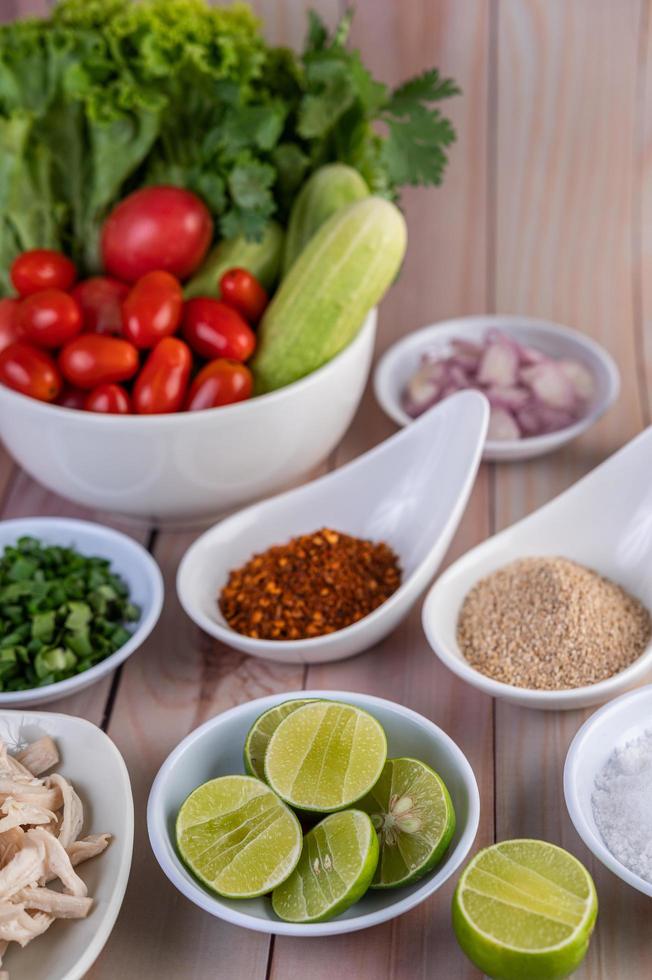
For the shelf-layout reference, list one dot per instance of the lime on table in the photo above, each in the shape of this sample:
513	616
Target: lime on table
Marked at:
325	756
237	837
261	732
337	865
525	908
414	818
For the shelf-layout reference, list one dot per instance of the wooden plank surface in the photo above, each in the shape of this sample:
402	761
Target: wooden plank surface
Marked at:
546	210
566	208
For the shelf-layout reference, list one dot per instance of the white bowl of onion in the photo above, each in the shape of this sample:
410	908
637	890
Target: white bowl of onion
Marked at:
546	383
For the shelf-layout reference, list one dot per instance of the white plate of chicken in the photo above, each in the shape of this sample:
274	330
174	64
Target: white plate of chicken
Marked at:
66	838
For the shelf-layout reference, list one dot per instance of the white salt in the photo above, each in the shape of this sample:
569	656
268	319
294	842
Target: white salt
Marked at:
622	805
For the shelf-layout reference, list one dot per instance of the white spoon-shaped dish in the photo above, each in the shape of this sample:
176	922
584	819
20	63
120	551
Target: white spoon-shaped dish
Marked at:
603	522
613	726
410	491
403	358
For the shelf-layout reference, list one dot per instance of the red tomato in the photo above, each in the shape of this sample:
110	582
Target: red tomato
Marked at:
152	310
109	398
156	228
50	318
101	298
30	371
161	385
70	397
42	268
91	360
10	330
219	383
213	330
244	293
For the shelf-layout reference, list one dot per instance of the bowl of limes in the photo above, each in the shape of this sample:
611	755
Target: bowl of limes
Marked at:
313	813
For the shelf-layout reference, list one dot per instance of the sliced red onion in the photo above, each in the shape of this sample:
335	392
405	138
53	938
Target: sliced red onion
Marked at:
499	365
580	378
509	397
530	355
466	353
550	385
502	425
530	393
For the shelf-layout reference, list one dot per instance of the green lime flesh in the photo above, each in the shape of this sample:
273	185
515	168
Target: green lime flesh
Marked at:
336	867
414	818
237	837
325	756
261	732
525	908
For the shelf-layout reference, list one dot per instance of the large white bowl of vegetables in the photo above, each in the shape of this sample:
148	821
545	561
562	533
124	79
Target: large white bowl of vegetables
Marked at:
188	304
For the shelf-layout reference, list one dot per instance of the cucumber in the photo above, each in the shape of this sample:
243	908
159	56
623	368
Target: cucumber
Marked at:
321	304
328	189
262	259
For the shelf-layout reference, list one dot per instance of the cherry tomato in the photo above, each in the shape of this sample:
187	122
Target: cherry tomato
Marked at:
10	330
244	293
71	397
161	385
213	330
156	228
109	398
219	383
91	360
152	310
41	268
31	371
50	318
101	298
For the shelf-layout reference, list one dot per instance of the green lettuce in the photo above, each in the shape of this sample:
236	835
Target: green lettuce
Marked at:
109	95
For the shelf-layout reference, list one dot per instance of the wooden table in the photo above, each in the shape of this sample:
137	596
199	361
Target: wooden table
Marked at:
546	210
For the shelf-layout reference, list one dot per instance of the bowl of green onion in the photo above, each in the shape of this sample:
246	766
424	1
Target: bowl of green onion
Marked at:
76	599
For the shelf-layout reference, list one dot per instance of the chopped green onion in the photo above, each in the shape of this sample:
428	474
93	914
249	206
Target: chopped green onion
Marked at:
60	613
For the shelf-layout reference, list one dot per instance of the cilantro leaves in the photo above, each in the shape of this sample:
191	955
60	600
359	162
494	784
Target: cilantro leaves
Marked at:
418	134
108	95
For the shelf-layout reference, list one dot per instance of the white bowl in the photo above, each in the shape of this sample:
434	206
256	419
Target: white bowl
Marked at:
400	362
611	727
191	465
128	558
604	522
90	760
409	491
215	749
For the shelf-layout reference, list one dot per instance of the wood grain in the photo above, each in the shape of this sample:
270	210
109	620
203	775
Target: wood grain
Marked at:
444	274
546	210
178	680
566	190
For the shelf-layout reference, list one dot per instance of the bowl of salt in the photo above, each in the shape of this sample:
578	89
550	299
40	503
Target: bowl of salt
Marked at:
608	786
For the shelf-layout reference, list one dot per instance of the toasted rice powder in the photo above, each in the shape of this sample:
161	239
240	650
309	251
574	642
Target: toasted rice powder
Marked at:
550	624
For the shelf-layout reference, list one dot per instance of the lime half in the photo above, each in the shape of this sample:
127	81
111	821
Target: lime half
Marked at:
237	837
525	908
337	865
325	756
260	733
414	818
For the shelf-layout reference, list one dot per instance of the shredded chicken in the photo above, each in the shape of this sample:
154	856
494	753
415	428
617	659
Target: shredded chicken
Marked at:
73	811
88	847
40	823
39	756
18	814
55	903
39	794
